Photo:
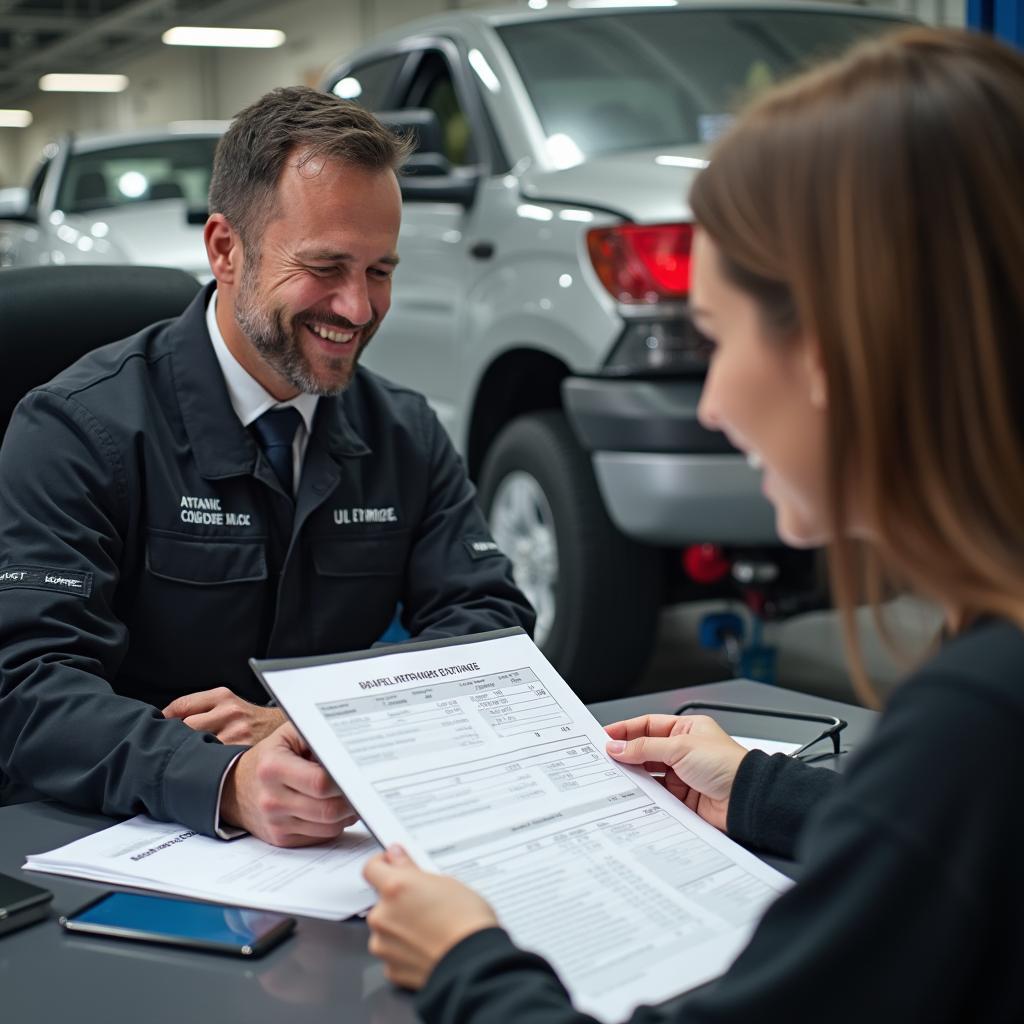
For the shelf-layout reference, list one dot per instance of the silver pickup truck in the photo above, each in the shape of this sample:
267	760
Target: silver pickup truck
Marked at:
541	300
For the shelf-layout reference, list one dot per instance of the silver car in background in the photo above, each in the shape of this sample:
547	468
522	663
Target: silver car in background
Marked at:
541	300
125	198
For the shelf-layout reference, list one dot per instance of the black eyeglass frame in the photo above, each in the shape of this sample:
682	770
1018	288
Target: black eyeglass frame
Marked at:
833	725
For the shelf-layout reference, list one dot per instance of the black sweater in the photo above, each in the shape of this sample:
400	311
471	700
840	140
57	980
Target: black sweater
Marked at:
910	906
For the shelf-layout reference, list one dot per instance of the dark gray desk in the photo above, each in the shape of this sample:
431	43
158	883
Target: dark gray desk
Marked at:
323	974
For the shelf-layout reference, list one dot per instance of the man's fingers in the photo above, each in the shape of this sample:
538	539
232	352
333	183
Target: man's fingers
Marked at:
196	703
302	776
317	830
211	721
331	812
290	737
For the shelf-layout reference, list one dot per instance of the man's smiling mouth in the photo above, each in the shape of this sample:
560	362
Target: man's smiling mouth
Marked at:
328	334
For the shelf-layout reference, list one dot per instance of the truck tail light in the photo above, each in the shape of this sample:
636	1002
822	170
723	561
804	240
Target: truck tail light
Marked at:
705	563
643	264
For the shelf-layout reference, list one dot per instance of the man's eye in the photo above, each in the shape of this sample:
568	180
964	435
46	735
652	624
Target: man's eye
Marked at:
321	271
378	272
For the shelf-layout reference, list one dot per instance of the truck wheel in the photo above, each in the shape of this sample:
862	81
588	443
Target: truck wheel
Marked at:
596	592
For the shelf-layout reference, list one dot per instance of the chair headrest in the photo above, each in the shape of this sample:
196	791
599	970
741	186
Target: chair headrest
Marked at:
90	186
166	190
52	316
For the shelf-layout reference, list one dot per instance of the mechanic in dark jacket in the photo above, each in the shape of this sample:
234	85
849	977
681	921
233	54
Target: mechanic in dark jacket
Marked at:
857	270
229	485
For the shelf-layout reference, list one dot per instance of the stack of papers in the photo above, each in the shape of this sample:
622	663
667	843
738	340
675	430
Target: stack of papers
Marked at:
318	881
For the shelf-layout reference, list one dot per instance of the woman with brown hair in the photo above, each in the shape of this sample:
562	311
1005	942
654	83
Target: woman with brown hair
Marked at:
857	271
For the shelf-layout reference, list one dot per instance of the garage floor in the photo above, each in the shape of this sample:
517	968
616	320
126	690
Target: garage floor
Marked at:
810	656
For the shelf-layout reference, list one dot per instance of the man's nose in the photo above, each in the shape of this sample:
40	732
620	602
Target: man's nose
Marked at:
352	301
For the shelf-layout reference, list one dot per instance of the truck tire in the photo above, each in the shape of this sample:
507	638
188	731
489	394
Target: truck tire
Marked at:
597	593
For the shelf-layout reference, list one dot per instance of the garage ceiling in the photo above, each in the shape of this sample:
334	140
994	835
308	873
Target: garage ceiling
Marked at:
41	36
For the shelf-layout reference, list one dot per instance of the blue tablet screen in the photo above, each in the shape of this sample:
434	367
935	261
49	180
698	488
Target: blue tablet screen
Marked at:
232	926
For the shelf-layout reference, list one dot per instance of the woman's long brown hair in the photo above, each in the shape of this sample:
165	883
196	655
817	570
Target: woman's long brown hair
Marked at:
876	205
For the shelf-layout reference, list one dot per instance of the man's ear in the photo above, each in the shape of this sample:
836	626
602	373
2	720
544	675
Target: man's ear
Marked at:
817	380
223	249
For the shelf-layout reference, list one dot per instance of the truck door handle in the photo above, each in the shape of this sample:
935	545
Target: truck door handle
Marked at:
482	250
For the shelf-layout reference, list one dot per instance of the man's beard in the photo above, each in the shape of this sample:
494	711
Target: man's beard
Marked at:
281	348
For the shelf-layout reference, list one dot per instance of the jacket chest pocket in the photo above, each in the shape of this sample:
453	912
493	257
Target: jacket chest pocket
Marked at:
378	555
204	561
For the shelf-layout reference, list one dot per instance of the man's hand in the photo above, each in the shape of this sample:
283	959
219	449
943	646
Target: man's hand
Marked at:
280	794
418	917
698	757
229	718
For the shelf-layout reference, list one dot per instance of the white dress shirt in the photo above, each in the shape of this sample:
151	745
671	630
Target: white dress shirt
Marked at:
250	399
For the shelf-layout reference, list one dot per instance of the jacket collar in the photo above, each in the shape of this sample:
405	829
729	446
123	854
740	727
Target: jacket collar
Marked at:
221	445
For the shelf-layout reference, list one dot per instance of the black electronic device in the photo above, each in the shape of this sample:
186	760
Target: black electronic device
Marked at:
21	903
206	926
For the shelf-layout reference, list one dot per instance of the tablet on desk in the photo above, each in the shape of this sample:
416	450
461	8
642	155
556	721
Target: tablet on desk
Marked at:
207	926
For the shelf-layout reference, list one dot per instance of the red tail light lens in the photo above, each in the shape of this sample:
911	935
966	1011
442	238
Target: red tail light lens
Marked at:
643	264
705	563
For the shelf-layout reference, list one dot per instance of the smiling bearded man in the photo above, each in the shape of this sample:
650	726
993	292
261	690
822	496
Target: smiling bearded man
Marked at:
230	485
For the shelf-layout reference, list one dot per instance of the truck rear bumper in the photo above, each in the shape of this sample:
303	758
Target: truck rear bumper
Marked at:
664	478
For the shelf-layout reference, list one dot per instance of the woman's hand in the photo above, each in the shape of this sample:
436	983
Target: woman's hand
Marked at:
698	757
419	916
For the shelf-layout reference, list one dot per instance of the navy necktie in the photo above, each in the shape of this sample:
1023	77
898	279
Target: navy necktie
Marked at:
275	430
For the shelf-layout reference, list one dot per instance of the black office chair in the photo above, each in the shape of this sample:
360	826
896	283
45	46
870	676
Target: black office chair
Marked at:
51	316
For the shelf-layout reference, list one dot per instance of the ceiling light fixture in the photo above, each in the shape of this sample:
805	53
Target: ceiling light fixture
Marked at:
83	83
195	35
15	118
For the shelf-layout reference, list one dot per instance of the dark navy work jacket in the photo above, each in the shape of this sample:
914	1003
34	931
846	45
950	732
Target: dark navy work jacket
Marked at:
147	551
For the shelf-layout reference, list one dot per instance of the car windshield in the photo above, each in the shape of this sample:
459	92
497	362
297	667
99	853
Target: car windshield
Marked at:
637	80
176	168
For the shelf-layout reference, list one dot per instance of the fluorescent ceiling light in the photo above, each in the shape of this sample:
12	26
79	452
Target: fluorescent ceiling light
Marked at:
195	35
83	83
15	118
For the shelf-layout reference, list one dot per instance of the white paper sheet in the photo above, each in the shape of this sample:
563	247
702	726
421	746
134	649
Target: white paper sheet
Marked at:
318	881
481	760
768	746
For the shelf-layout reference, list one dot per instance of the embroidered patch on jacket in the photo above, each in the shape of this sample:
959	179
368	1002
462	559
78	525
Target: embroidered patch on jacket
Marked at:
481	548
31	577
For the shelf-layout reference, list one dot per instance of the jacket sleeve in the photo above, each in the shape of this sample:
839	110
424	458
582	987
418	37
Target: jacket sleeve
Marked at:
772	798
457	580
67	503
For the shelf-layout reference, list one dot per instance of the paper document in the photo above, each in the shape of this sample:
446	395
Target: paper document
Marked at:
768	746
483	763
318	881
